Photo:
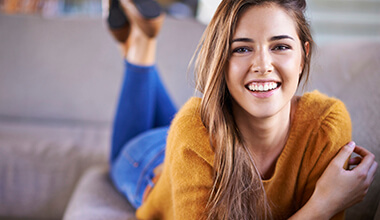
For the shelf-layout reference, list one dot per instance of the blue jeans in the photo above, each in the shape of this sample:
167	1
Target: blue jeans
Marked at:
143	115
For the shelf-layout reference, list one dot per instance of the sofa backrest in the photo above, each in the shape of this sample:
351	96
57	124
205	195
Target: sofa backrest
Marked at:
71	69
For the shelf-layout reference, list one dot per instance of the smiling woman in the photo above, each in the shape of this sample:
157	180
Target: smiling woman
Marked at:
248	148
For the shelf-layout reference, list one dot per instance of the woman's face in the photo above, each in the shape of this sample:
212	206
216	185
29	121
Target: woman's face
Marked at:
265	62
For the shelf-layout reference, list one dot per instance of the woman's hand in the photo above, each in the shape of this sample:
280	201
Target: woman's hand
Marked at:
338	189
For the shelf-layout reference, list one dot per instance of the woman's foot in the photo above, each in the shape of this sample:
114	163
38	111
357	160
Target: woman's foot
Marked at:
118	23
149	9
147	15
137	30
140	48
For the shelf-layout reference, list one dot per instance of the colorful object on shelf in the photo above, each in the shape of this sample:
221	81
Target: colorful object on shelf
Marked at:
52	8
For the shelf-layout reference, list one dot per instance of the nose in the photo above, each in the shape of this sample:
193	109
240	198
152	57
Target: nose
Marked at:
262	62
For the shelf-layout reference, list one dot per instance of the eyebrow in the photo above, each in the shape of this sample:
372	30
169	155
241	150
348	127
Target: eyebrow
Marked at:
280	37
242	40
274	38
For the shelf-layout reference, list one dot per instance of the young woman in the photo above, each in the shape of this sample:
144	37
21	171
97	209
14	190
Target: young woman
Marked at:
248	148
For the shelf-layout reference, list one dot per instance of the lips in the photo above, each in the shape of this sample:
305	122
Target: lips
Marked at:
262	86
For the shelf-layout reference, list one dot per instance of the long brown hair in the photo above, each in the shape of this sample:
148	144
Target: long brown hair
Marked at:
238	192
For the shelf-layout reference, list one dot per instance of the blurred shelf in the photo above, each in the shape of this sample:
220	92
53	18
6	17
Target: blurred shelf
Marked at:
52	8
345	20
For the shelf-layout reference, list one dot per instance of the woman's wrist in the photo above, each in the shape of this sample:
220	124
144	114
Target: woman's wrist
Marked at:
315	208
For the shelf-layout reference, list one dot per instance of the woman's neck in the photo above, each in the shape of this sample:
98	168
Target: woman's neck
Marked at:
266	137
264	134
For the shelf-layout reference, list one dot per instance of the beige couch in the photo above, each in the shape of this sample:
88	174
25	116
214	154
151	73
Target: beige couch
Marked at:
59	82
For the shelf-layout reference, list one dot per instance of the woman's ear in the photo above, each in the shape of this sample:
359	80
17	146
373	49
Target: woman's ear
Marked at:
307	48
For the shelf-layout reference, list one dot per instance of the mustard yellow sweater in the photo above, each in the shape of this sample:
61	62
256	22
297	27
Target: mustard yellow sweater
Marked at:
320	128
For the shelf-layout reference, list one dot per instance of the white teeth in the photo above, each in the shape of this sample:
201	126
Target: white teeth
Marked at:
262	87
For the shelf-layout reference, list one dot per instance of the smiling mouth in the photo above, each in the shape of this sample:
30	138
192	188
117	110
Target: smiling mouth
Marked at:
263	87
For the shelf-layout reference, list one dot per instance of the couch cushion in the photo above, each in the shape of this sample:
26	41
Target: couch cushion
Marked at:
95	198
40	163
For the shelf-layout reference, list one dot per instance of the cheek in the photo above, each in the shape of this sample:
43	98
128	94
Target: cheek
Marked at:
234	67
291	67
237	67
233	72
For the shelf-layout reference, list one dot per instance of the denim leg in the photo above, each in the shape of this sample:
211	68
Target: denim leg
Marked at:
133	169
143	115
165	108
143	104
135	110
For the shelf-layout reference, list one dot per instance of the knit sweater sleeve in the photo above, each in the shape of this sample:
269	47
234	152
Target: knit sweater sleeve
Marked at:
189	163
334	132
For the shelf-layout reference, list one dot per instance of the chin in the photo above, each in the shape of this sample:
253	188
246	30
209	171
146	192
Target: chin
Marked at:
263	114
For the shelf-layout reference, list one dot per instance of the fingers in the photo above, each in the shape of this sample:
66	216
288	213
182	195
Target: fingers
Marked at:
372	171
354	161
344	153
361	151
368	159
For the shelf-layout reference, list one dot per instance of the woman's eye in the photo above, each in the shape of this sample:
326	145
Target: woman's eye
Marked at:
281	47
241	50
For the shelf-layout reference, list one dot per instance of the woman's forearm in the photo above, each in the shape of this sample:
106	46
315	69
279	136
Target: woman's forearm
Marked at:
313	209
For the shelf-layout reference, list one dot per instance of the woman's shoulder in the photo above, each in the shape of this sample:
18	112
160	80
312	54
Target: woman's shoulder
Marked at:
188	117
187	133
318	107
192	106
322	120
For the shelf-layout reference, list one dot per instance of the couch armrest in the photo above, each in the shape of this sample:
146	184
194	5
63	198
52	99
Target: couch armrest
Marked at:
96	198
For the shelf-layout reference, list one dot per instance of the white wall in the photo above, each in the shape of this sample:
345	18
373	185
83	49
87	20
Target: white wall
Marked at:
206	9
331	20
